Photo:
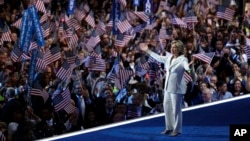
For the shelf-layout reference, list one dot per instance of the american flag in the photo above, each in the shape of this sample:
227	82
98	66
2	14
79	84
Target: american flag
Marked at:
124	76
17	55
127	38
64	72
130	16
190	19
70	108
61	100
37	90
33	45
52	55
225	13
205	57
44	18
46	29
94	62
178	21
6	34
40	64
143	63
94	39
247	51
90	19
163	34
79	14
187	77
142	15
120	40
70	57
247	48
40	6
72	42
73	23
84	6
123	24
138	28
18	23
115	69
101	28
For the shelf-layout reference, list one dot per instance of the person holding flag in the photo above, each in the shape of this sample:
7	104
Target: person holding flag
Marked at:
175	86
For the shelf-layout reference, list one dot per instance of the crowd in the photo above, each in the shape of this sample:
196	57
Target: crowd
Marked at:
110	79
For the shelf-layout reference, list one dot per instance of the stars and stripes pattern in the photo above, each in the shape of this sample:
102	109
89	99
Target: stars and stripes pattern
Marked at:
40	6
18	23
52	55
46	29
190	19
43	18
72	39
225	13
247	48
142	15
123	24
94	39
95	63
64	72
39	92
61	100
6	34
177	21
120	40
73	23
17	55
101	28
90	19
79	14
205	57
33	45
163	34
40	64
187	77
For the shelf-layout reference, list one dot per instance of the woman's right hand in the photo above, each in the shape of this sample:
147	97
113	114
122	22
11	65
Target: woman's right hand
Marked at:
143	46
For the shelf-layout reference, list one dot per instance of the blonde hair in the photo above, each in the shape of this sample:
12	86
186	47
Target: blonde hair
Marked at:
179	44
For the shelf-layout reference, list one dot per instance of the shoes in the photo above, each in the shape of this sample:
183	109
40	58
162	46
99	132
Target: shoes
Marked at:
174	134
166	132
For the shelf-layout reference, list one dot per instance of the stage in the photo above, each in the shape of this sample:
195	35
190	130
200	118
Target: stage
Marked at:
207	122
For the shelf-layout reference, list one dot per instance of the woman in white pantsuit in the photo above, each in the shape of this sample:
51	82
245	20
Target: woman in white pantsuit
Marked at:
175	86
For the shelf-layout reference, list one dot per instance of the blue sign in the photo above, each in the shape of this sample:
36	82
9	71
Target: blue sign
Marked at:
71	7
136	2
116	12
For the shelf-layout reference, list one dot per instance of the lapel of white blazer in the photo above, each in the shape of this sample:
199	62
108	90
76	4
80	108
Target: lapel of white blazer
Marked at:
176	61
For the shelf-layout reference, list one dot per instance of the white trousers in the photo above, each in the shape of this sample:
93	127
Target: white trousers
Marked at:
172	105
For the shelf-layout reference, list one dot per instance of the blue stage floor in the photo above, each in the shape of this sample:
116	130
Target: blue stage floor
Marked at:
207	122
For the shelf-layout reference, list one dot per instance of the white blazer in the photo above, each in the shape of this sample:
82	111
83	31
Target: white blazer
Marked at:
174	82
